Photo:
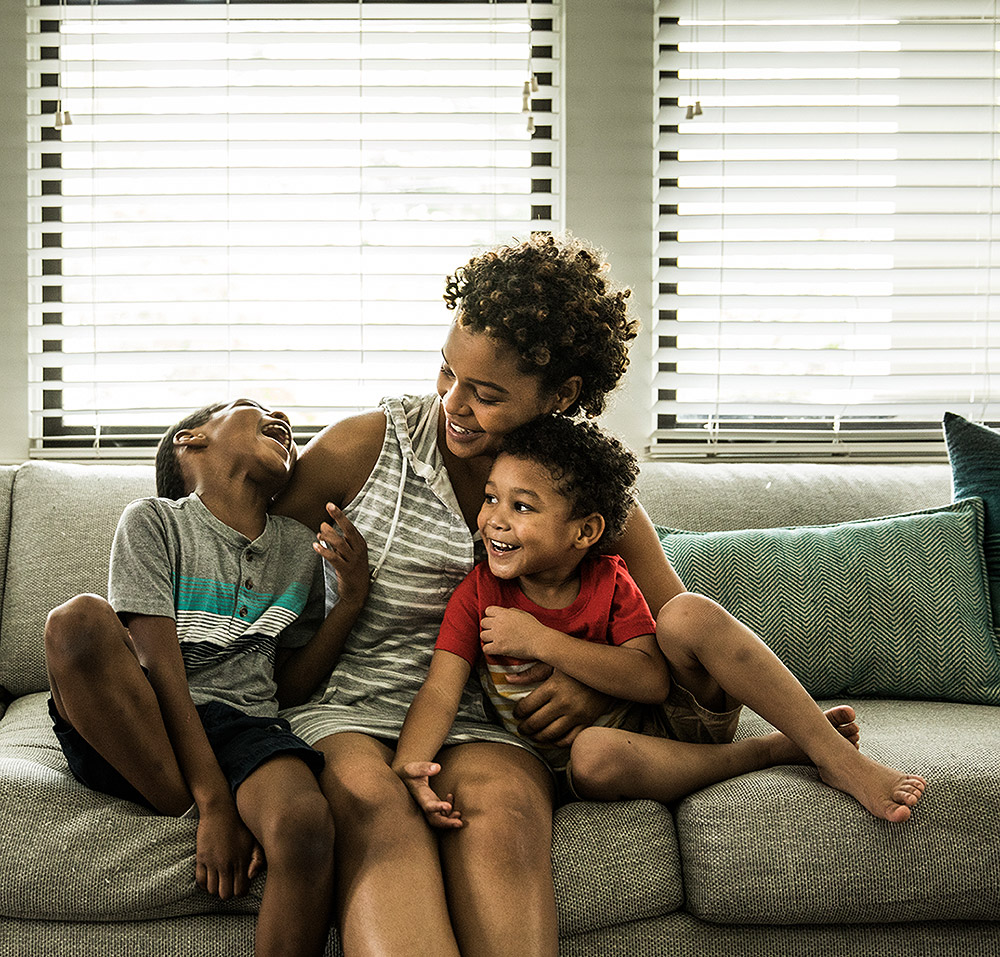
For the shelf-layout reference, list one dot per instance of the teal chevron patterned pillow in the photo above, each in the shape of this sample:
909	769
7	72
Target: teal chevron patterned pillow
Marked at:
892	607
974	452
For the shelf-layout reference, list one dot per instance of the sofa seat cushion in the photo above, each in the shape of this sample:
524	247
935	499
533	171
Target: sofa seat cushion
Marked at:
69	853
614	863
780	847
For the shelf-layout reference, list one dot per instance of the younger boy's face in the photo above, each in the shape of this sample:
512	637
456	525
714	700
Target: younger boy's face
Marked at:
526	522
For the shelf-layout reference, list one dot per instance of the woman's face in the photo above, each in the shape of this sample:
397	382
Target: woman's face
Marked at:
484	395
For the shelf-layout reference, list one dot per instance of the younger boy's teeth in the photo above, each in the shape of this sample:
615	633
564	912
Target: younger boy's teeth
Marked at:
502	546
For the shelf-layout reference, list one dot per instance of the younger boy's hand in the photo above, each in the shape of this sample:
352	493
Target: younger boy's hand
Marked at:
345	549
510	632
416	776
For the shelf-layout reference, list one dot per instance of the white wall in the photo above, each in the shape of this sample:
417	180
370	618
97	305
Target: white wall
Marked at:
609	170
608	162
13	233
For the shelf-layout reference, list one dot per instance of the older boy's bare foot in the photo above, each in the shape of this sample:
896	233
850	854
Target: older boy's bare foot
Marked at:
784	751
884	791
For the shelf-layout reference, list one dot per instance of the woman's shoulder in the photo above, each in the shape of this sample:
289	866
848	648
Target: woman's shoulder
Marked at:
333	467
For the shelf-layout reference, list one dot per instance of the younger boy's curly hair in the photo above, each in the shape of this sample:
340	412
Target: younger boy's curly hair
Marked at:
169	479
589	467
550	300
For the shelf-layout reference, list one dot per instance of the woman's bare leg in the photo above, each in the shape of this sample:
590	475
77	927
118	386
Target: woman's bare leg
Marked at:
722	662
498	866
99	688
390	897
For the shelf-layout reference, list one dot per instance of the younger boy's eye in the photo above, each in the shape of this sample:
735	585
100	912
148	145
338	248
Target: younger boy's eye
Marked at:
522	507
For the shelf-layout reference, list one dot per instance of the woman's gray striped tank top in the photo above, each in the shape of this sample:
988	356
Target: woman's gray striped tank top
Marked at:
388	652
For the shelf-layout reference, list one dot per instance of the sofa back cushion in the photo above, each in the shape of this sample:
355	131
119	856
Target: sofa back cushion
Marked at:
63	518
732	495
6	487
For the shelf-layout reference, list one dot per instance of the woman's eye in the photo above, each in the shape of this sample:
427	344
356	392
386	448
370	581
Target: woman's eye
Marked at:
484	400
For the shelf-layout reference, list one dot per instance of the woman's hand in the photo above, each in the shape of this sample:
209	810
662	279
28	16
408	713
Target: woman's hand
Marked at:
342	546
560	709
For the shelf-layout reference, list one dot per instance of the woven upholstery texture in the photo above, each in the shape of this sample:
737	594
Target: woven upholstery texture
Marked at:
59	547
742	841
763	495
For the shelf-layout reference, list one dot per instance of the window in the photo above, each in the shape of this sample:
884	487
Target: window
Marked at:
827	199
265	198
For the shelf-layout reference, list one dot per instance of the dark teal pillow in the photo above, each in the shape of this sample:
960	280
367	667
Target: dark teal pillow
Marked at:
974	451
892	607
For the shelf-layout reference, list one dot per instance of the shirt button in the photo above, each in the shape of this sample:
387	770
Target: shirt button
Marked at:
249	556
248	583
243	612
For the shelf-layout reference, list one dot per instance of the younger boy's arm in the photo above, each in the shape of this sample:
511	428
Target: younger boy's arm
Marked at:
227	856
342	546
425	729
634	670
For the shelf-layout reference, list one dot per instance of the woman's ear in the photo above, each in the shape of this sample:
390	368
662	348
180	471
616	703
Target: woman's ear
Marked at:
568	393
591	528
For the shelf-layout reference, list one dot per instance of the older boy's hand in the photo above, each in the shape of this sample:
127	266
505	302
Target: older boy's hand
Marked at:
345	549
227	856
416	776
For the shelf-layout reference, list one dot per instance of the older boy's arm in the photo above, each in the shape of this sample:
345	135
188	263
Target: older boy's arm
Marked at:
227	856
341	545
425	729
634	670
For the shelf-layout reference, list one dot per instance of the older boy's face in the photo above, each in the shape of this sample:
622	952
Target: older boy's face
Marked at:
526	522
246	427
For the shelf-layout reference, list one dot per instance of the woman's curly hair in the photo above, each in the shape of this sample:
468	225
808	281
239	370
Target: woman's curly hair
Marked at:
169	479
549	299
589	467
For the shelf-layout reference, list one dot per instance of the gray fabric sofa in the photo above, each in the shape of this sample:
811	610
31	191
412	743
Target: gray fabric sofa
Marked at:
767	863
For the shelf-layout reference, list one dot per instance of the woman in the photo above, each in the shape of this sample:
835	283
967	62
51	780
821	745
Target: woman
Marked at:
538	329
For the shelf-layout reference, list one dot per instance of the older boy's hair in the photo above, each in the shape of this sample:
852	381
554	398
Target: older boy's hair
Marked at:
169	478
588	466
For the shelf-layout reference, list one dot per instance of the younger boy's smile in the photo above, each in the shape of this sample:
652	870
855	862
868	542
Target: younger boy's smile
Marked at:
526	522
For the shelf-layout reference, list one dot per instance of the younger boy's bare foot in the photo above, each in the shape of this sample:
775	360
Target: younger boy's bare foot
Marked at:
884	791
784	751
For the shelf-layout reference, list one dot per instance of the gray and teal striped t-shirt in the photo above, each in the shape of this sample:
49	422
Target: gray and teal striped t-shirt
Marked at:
235	601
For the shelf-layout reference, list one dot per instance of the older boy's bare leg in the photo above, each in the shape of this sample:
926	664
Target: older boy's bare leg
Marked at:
99	688
282	805
721	661
390	894
608	764
498	867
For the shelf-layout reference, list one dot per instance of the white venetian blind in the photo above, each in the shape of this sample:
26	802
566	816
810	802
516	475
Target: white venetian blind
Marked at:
827	222
264	199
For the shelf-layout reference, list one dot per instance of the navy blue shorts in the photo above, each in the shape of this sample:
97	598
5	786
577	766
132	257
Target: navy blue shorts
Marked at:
241	742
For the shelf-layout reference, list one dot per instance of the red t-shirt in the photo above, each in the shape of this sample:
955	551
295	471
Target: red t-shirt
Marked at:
610	608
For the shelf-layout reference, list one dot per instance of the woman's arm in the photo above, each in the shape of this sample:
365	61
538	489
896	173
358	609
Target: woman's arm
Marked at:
333	467
634	670
647	564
